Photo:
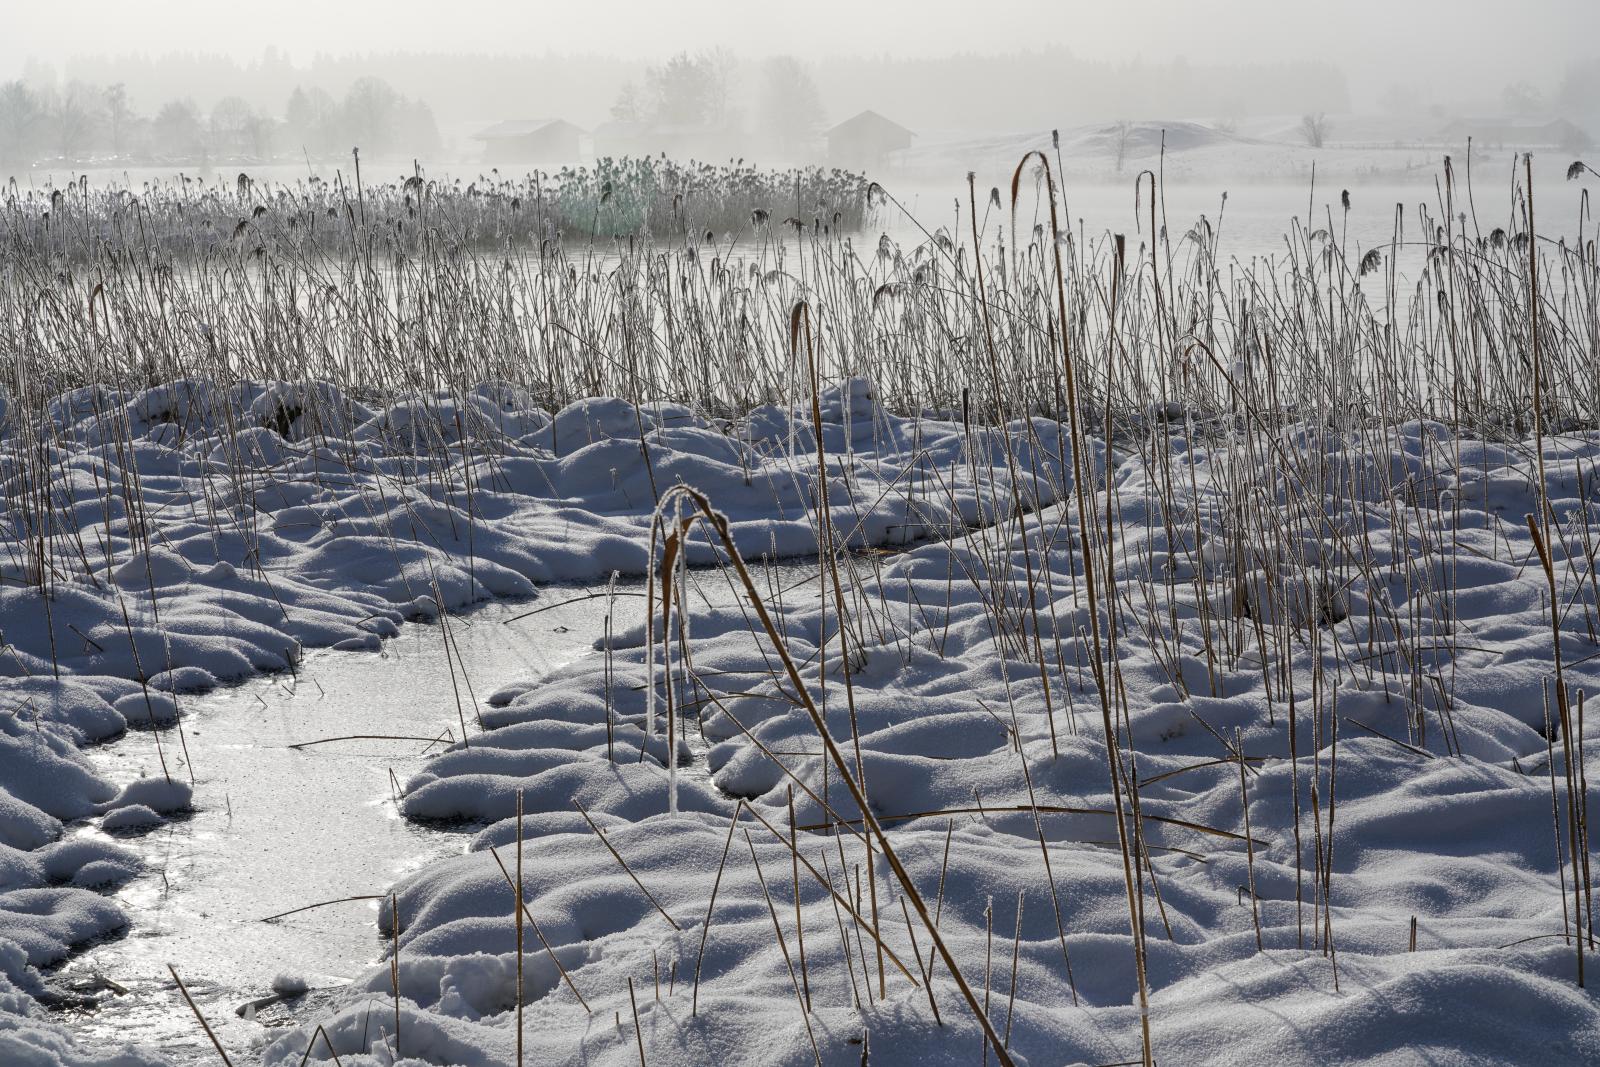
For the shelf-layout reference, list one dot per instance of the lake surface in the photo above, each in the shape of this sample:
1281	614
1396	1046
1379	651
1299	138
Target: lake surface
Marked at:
279	828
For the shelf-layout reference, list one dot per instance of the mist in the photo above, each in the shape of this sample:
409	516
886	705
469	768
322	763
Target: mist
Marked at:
186	86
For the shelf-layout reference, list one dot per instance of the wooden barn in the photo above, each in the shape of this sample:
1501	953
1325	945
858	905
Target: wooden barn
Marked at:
530	141
1511	133
866	141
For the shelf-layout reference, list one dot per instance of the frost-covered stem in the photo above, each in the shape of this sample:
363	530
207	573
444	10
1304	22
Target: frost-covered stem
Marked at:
798	318
611	601
517	908
1249	841
799	926
783	943
705	927
1564	717
1084	528
719	525
675	552
650	629
394	967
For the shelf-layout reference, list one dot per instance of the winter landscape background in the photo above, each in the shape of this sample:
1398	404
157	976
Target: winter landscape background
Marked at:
671	535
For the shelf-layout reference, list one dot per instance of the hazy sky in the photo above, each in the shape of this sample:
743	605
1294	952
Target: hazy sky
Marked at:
1378	41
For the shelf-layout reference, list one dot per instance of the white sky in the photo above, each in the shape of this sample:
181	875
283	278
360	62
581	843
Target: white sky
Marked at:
1378	41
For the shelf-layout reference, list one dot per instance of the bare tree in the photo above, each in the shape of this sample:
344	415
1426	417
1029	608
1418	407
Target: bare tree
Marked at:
1315	129
791	107
72	121
720	64
118	115
379	119
231	120
630	104
372	114
20	115
681	91
314	123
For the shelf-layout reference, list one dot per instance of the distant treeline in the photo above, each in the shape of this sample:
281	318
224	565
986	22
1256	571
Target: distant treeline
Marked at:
1025	90
192	107
84	122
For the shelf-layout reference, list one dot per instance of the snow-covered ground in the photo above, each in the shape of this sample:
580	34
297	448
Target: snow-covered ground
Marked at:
1325	659
200	552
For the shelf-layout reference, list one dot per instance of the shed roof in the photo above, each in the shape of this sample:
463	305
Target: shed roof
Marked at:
869	120
518	128
1505	127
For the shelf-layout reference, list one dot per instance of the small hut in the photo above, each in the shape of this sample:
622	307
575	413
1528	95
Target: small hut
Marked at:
530	141
1513	133
866	141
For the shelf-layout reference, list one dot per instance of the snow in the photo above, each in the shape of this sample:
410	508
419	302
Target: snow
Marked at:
947	716
1386	680
273	517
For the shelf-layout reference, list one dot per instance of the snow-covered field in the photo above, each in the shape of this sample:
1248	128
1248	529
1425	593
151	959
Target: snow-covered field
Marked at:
1314	670
1102	650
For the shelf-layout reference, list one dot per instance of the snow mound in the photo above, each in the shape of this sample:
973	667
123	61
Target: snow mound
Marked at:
1399	770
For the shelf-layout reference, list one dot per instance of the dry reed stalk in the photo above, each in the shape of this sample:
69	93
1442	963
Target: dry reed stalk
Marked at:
1042	809
322	904
844	940
1016	952
1542	548
578	804
800	318
201	1019
394	967
988	959
862	922
1079	446
1250	848
638	1032
705	927
327	1043
927	979
539	933
517	910
799	926
783	944
719	525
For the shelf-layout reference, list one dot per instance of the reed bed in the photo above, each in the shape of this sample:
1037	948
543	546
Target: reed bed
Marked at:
184	218
422	285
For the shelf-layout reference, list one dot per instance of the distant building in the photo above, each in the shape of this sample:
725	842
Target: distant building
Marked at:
866	141
530	141
1514	133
